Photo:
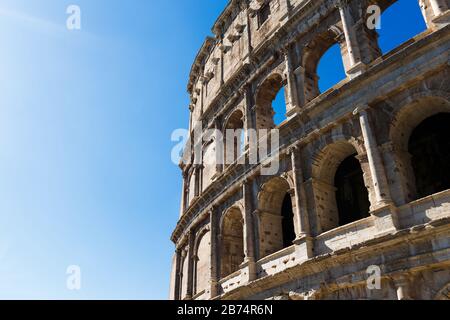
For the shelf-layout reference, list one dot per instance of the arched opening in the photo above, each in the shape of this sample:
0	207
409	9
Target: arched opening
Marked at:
339	186
287	213
352	198
330	70
202	263
276	221
399	23
232	242
326	50
234	137
270	103
279	107
429	146
408	118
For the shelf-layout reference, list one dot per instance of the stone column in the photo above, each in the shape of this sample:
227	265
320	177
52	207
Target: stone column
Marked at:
291	84
300	75
356	66
197	172
303	241
190	275
438	15
380	184
402	285
183	204
439	7
178	267
249	232
220	147
191	110
248	34
215	252
251	138
302	221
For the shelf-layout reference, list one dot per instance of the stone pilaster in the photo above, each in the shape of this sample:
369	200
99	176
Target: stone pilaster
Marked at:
190	275
249	231
383	210
292	86
184	189
435	12
178	267
378	174
355	65
303	239
215	252
402	285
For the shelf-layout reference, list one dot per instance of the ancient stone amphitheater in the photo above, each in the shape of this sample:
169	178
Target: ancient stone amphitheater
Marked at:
360	205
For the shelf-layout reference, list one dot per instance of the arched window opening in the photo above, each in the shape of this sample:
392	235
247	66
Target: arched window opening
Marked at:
279	107
352	197
276	223
202	263
339	186
287	213
429	146
330	70
234	137
400	22
232	242
326	50
263	13
271	104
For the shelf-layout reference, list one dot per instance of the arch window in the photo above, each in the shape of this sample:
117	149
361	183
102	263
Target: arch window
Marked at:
271	103
340	192
202	263
429	146
330	70
276	221
232	242
326	49
352	198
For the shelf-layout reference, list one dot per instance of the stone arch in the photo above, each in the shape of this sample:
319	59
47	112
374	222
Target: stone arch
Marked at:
202	260
231	241
413	111
346	156
233	136
312	55
276	207
265	95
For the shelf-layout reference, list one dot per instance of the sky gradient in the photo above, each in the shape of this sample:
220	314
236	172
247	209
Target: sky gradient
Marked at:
86	117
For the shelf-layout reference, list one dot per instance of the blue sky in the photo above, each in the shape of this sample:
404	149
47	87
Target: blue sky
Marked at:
85	123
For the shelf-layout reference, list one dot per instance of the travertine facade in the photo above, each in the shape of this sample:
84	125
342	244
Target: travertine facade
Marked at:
364	167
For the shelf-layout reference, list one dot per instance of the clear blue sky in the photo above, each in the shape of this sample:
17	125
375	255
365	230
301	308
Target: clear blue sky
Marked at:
85	122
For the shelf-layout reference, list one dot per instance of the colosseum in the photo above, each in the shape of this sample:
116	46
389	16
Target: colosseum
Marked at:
362	187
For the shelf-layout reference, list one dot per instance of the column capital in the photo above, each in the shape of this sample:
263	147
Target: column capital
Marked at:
360	109
341	4
293	149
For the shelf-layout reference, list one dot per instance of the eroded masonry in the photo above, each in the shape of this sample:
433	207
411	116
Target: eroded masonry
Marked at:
364	176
